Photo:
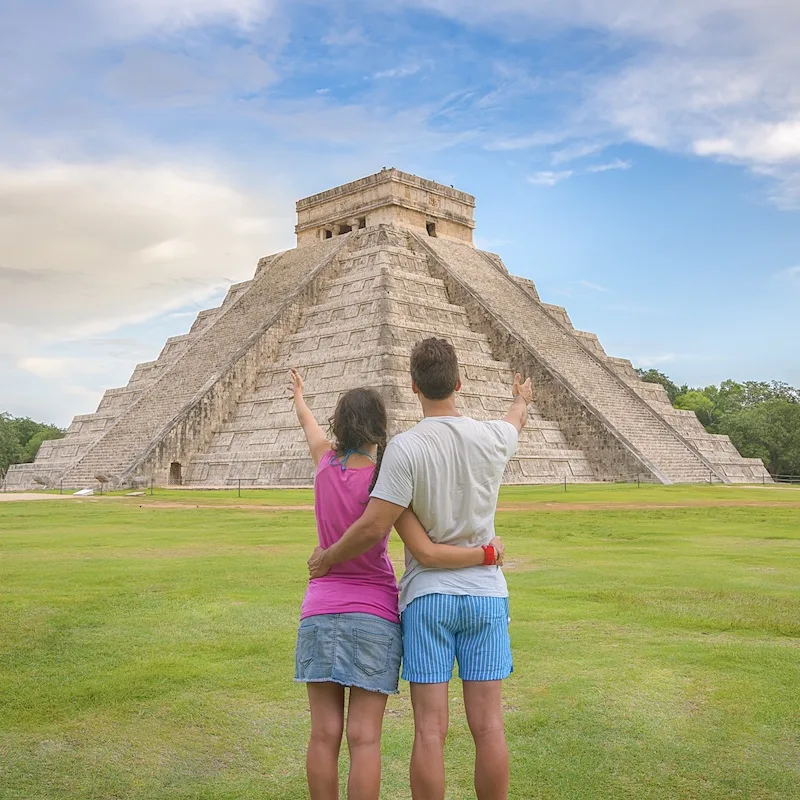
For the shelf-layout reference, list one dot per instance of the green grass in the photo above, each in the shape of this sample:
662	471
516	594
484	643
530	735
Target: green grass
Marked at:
147	652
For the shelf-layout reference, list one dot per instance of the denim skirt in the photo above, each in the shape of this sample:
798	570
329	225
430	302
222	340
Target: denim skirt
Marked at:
356	649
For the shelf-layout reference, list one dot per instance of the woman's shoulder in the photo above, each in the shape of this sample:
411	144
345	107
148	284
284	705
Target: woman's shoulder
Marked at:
325	460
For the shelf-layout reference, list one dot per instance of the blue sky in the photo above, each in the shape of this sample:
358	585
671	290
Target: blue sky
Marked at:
640	161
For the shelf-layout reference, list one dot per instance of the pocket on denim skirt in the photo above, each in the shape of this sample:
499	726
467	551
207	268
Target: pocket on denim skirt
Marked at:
371	651
306	644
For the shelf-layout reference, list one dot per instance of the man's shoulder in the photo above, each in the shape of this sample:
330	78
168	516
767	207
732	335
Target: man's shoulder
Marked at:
404	439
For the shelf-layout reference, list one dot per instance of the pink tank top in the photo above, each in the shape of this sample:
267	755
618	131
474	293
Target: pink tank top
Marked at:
365	584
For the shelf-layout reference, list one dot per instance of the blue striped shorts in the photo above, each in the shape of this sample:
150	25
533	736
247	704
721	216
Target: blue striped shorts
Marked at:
439	629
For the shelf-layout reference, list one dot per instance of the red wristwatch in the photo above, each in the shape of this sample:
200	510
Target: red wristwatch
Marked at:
489	555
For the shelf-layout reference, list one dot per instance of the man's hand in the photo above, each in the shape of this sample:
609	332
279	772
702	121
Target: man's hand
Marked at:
295	382
498	545
317	565
523	397
523	390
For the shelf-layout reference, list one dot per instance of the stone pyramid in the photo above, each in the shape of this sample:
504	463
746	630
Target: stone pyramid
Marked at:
380	263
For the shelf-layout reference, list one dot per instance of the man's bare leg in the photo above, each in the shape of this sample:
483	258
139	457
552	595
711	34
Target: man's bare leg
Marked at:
430	731
483	703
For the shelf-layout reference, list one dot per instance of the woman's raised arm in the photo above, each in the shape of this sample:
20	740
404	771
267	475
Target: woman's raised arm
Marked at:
318	443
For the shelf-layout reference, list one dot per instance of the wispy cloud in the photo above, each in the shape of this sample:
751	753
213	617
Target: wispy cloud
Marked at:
593	286
713	78
550	178
617	163
576	152
398	72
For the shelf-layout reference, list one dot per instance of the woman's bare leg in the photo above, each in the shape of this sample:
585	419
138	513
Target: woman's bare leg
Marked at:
327	722
364	725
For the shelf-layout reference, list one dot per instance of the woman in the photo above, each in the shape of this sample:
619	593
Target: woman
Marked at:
349	635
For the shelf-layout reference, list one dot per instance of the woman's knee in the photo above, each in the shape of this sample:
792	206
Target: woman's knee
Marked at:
363	733
327	733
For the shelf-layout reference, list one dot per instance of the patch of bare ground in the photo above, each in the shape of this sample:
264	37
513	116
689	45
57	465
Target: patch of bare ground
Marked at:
247	507
534	506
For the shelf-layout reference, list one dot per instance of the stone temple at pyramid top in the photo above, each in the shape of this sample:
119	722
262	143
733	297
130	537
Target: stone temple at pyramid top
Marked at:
390	197
380	264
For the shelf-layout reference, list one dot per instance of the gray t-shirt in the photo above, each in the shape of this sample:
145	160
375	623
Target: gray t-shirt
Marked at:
448	469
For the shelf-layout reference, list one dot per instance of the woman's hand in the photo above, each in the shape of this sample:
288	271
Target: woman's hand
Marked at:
498	545
317	568
295	382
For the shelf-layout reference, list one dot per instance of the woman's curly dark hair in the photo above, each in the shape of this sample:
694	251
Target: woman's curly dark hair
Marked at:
359	421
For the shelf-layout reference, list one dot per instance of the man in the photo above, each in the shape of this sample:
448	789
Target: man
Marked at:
448	468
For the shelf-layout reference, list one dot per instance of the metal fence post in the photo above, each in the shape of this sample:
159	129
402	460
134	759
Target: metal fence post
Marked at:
240	487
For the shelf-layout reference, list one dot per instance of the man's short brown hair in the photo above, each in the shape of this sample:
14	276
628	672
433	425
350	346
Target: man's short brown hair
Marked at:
434	368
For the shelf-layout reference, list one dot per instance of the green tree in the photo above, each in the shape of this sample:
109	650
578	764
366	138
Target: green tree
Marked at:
654	376
31	447
9	446
769	430
698	401
21	437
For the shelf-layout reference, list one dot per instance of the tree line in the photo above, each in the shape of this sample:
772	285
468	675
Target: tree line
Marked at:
761	418
21	438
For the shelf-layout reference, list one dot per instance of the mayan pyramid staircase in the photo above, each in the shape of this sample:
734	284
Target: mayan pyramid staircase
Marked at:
381	263
370	312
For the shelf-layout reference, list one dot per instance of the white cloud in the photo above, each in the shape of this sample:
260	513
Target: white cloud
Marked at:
59	367
593	286
767	143
139	16
349	37
716	78
370	128
539	139
90	247
575	152
550	178
398	72
617	163
151	76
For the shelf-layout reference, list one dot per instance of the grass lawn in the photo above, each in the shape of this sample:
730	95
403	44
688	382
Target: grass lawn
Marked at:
146	651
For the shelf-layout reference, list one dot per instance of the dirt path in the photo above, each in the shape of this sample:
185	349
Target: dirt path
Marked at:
533	506
504	507
13	497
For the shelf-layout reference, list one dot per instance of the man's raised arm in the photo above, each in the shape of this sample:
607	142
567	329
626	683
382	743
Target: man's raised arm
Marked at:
523	395
366	531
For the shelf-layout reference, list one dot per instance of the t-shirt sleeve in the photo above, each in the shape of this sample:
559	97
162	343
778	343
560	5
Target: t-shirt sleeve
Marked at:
395	482
506	436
